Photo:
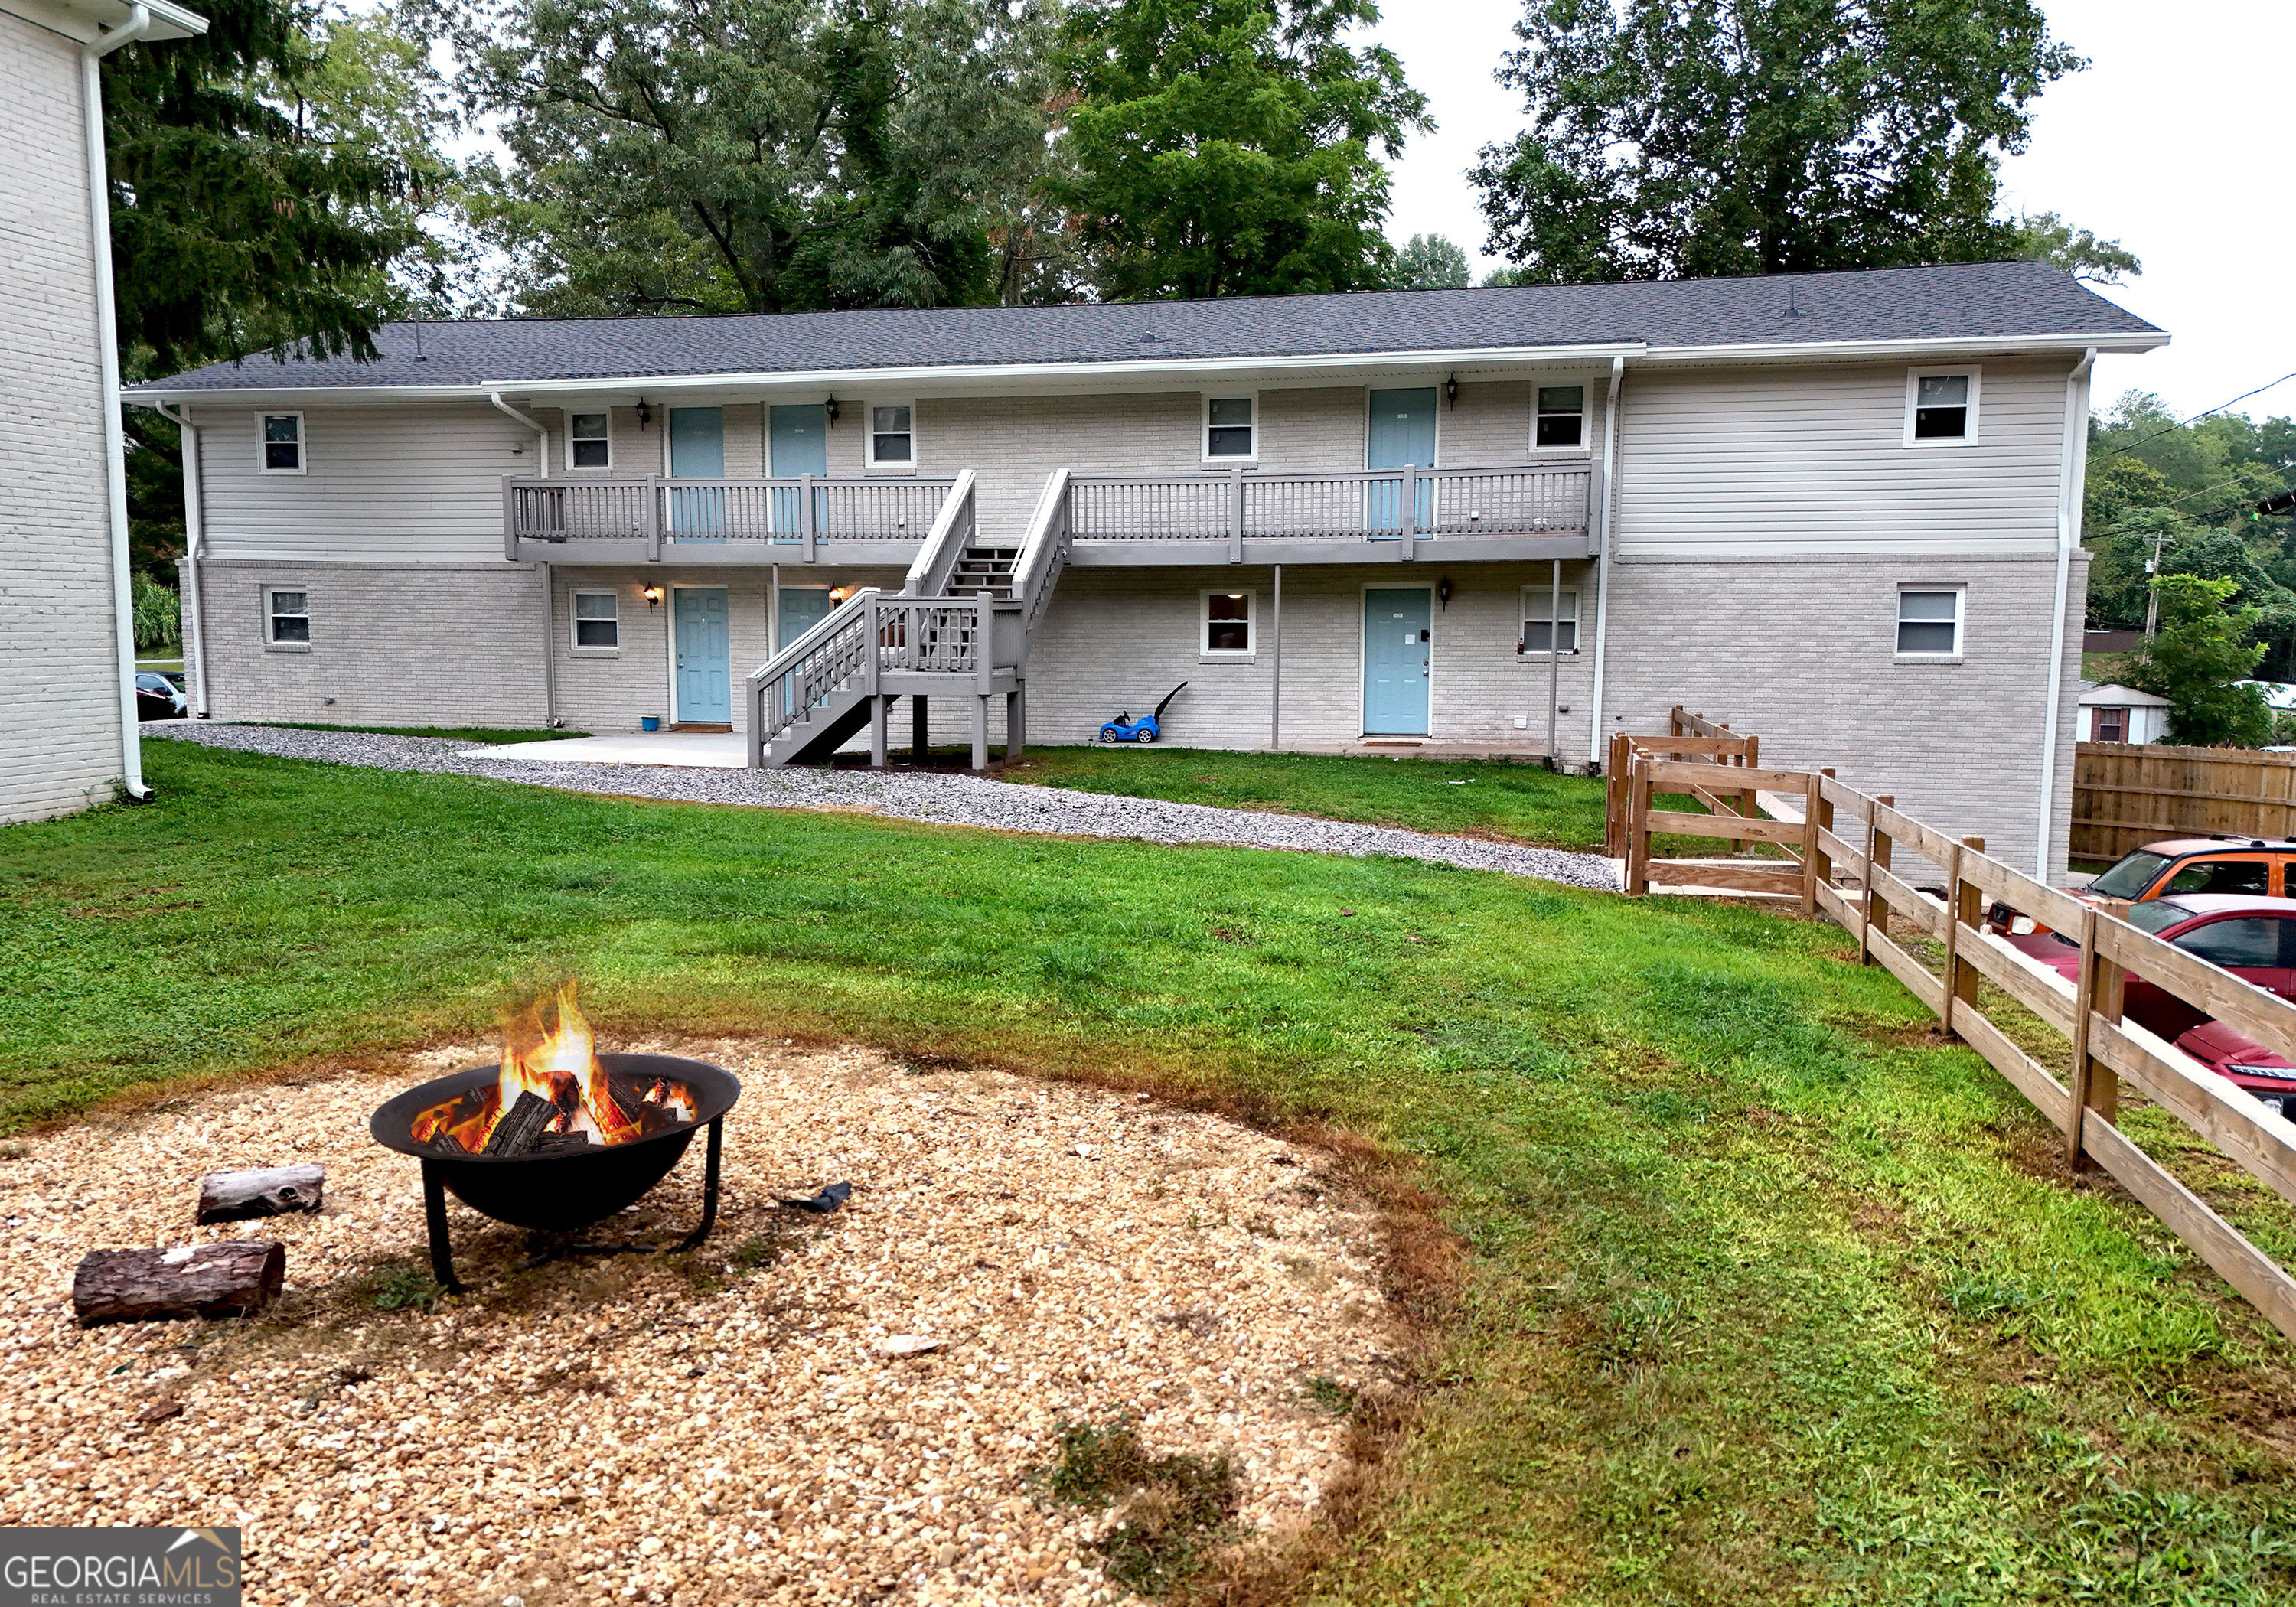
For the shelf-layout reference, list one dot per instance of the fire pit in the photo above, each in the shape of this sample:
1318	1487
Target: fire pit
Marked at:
557	1137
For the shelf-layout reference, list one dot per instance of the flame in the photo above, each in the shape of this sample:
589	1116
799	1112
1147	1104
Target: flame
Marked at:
558	1064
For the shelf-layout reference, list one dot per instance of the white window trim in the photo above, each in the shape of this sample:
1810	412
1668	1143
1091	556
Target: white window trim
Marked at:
608	466
574	643
1960	591
1204	427
1543	595
1975	373
869	463
271	643
1207	654
1586	446
302	444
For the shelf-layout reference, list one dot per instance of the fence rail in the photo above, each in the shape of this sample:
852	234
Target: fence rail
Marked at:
1843	847
1373	505
2128	794
792	512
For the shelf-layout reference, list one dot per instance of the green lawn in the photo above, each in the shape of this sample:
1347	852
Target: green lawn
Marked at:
1765	1297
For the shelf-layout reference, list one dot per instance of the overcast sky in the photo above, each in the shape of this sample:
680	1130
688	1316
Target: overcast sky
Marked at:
2176	142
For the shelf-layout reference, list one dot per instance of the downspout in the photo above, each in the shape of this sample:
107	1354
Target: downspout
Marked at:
195	540
1594	745
2070	463
107	347
549	624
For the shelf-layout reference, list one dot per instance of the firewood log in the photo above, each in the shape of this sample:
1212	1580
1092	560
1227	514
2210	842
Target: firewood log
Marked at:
232	1279
269	1191
523	1126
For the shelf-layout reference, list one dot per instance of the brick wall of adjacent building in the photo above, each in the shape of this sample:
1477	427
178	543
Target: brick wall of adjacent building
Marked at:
59	659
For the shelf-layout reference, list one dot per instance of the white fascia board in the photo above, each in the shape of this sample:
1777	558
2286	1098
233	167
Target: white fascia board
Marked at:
86	22
1963	346
302	396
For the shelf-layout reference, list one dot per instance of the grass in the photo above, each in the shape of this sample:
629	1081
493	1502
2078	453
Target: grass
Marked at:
1762	1295
459	734
1174	1508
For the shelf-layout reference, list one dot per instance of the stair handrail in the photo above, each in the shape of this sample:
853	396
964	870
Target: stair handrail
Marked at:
951	533
855	615
1044	553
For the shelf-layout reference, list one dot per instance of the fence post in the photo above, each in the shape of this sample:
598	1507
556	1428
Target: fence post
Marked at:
1952	940
653	519
1638	803
2092	1083
1809	845
805	521
1965	906
1235	516
1614	799
1823	813
1752	759
1871	842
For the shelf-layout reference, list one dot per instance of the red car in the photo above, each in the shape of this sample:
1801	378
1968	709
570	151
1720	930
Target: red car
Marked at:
2247	1062
2254	938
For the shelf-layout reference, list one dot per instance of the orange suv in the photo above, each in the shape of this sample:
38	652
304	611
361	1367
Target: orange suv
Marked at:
2252	867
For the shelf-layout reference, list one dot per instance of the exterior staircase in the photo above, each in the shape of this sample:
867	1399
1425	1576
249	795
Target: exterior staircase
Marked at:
984	566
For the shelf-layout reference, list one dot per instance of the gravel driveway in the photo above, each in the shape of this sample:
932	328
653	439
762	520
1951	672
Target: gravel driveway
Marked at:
948	800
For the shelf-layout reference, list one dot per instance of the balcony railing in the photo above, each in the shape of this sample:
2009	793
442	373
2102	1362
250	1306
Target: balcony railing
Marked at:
1381	505
621	514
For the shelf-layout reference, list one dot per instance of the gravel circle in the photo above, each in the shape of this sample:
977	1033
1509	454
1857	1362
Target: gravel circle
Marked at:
948	800
732	1427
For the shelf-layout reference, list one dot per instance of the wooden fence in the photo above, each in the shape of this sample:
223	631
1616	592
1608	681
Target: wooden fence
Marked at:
1689	736
1844	846
2128	794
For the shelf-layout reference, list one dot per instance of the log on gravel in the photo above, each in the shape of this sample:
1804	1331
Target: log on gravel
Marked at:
190	1280
268	1191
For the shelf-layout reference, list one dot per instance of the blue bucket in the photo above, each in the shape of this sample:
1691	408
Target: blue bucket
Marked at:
649	721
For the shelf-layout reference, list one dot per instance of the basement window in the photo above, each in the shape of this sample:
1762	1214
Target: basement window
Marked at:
597	624
1929	623
1561	418
1941	408
1226	625
588	445
282	442
1543	623
290	617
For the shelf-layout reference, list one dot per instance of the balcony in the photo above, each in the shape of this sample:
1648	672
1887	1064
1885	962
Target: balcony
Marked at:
707	522
1374	516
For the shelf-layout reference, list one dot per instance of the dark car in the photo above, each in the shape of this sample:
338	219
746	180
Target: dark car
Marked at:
158	697
2254	938
2249	1064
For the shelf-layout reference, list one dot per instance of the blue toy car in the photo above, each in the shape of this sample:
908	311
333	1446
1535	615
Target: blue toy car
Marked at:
1123	728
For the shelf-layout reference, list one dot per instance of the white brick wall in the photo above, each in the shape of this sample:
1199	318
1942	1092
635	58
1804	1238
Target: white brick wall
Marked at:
59	735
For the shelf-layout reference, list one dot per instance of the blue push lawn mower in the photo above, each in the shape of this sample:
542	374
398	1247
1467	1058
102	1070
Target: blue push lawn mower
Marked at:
1123	728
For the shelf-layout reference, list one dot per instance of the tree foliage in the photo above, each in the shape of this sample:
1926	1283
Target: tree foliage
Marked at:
1226	147
1430	262
756	155
1698	138
2045	237
2199	661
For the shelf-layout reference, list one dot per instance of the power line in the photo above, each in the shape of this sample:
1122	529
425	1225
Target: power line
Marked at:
2197	417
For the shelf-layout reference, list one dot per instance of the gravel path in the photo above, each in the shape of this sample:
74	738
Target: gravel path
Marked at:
729	1430
969	800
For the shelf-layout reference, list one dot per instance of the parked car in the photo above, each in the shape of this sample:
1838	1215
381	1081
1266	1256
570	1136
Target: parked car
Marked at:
2254	938
158	698
2252	866
2229	1052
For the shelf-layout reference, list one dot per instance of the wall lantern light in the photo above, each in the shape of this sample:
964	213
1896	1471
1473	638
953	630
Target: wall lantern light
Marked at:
652	596
838	593
1451	390
1443	590
829	407
645	413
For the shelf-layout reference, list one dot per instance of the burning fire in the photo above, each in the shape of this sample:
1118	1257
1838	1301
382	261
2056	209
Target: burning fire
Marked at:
560	1067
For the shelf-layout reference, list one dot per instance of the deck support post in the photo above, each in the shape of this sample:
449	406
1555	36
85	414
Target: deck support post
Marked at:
1016	721
877	708
917	748
980	733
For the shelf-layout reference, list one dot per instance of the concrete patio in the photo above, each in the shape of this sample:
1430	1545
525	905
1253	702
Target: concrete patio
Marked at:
689	750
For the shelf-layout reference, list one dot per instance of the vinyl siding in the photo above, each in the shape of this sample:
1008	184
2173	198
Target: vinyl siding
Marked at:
1774	462
59	657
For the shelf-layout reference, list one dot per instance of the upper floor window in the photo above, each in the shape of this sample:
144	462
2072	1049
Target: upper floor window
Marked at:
1561	417
1929	622
1940	408
588	445
1228	427
283	442
597	623
1545	624
892	440
290	616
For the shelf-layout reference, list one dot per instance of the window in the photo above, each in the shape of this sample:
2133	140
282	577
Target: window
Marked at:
2246	944
1941	408
589	446
596	624
2249	877
892	441
291	617
1538	630
1227	427
283	443
1929	623
2110	726
1561	417
1228	625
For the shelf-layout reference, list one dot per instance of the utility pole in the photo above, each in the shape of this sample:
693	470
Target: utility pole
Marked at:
2153	591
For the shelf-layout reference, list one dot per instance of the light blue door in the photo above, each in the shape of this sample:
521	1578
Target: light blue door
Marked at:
705	655
1399	627
697	451
799	439
803	607
1402	435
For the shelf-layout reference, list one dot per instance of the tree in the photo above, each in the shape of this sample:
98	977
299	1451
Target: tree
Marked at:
2198	662
1430	262
1683	137
1225	147
2045	237
753	155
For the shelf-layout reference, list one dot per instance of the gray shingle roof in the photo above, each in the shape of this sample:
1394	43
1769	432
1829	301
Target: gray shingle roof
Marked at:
2006	300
